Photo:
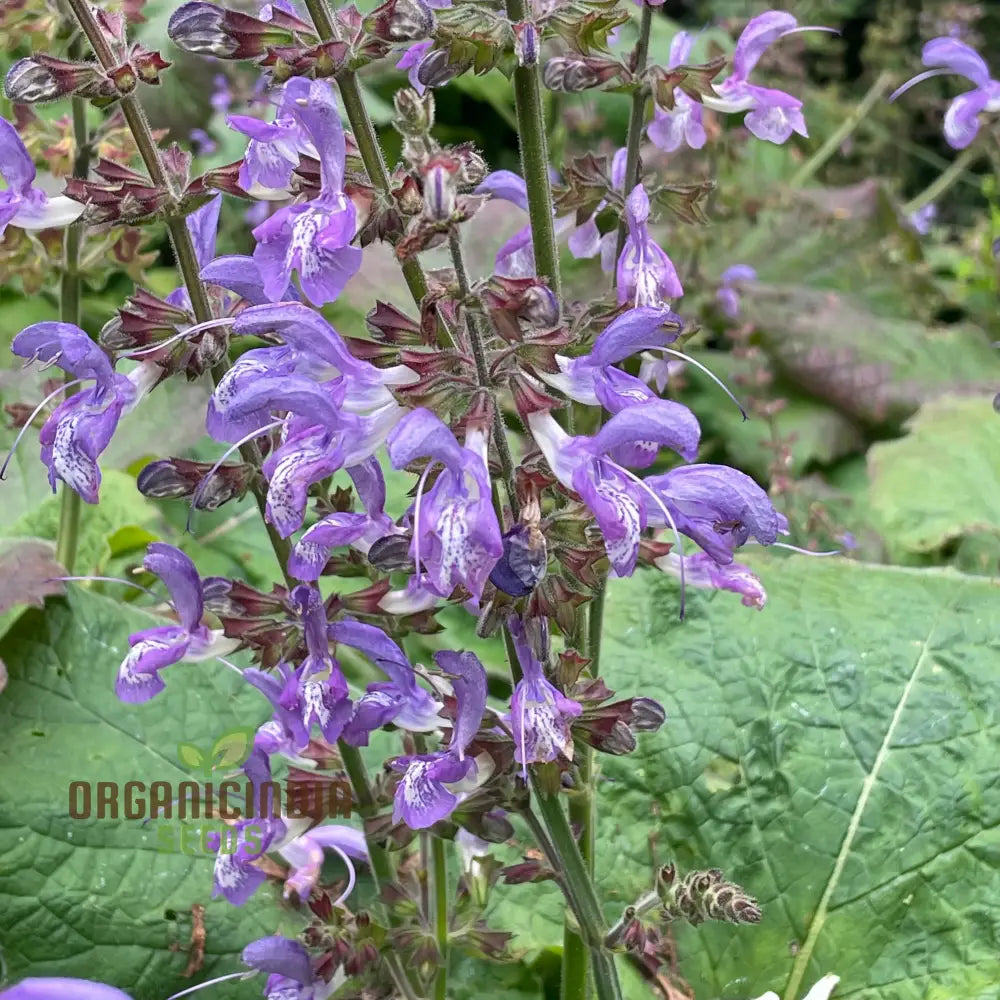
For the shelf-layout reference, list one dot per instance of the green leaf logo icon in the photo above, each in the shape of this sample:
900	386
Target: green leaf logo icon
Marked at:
191	756
232	748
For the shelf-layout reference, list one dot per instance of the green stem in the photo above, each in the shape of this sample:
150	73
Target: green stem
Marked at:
477	337
70	289
535	161
875	94
637	118
439	881
951	176
381	865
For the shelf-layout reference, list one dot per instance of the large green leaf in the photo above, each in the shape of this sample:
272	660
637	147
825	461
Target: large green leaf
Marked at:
942	480
833	753
99	898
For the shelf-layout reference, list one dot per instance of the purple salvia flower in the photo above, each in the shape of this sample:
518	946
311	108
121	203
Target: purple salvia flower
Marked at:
312	552
718	507
235	876
427	792
702	571
682	125
516	258
923	218
456	537
773	115
728	295
950	56
63	988
593	466
241	275
585	240
155	648
410	60
315	693
313	238
401	701
311	348
291	975
540	714
305	854
274	148
646	275
22	204
592	379
81	427
203	225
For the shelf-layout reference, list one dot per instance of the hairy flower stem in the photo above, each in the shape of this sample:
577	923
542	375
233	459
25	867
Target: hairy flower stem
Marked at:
365	137
382	868
637	119
439	881
875	94
477	337
556	840
180	238
70	289
535	161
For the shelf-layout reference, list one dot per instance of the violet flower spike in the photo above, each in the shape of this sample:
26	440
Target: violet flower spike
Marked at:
22	204
274	149
153	649
773	115
593	467
540	714
312	551
950	56
682	125
718	507
431	783
646	275
591	378
456	536
401	701
313	238
305	854
703	572
81	427
730	280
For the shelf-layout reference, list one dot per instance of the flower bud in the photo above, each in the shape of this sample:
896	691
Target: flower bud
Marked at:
440	187
526	43
197	27
435	70
619	742
527	871
42	78
401	21
163	481
573	75
523	563
391	552
473	166
414	112
540	306
647	715
408	197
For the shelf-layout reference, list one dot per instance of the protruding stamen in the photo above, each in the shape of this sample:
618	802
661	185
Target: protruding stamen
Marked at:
203	485
38	409
110	579
213	982
188	332
919	78
52	362
230	664
352	877
715	378
666	513
795	548
416	519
